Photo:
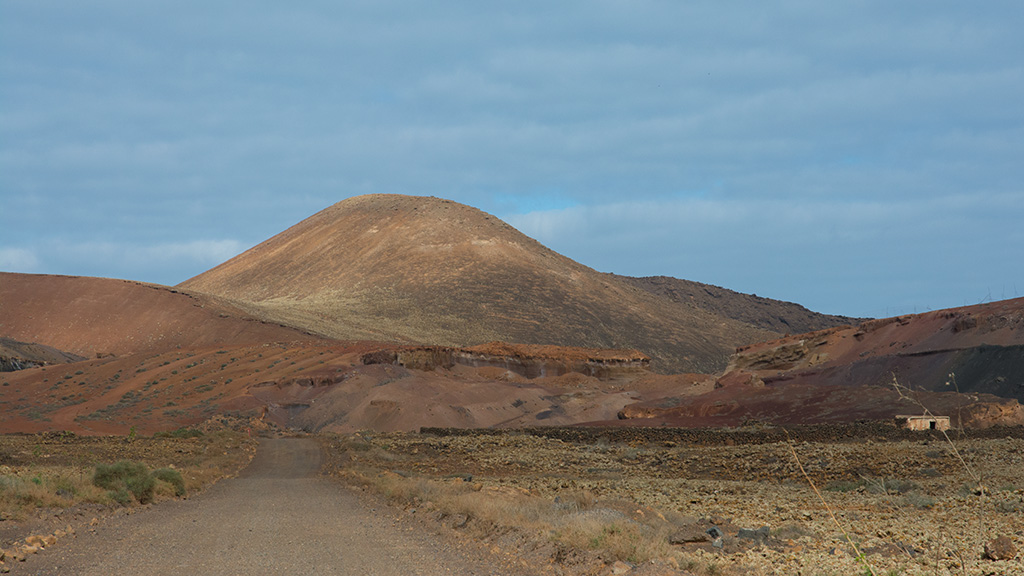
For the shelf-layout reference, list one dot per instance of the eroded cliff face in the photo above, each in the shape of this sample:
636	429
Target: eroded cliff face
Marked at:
528	361
989	414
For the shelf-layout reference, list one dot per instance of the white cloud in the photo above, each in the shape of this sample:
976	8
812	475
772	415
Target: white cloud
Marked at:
18	260
154	124
862	258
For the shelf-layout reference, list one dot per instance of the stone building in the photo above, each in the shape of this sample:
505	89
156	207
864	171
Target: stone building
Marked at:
923	422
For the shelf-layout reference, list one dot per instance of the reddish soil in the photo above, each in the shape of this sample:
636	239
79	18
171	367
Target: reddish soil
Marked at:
967	363
508	350
97	316
313	385
402	270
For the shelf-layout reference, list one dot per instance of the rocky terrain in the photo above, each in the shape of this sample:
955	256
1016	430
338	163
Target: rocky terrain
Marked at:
974	349
966	363
432	284
316	385
920	506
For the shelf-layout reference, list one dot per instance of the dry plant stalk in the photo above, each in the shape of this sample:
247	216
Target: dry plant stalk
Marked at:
860	556
906	396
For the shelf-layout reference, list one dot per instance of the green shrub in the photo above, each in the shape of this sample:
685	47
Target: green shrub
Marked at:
126	475
172	477
122	497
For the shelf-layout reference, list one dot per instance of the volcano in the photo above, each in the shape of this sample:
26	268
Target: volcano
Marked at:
426	270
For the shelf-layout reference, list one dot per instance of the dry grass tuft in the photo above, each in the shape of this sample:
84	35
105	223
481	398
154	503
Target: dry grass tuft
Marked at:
26	489
55	471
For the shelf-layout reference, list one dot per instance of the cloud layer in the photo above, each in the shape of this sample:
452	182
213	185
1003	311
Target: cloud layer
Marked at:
878	130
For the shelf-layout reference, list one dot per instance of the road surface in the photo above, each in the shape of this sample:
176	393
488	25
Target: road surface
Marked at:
277	517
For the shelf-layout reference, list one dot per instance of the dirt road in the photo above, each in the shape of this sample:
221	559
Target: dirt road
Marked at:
277	517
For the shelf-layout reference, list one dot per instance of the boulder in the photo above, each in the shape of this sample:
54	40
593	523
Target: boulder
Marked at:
759	535
1001	548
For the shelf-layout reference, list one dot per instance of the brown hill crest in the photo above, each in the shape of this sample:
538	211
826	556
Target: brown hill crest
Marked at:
432	271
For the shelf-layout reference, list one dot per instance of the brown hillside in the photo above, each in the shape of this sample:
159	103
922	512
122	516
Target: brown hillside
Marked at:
967	363
425	270
311	385
981	346
90	316
775	315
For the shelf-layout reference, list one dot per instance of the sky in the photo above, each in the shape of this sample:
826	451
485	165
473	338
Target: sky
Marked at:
859	158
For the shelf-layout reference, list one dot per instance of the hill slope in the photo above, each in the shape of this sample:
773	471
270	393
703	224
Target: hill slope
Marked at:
973	349
966	363
90	316
16	355
774	315
426	270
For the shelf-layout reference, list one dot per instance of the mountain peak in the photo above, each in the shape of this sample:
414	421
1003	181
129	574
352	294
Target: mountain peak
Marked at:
432	271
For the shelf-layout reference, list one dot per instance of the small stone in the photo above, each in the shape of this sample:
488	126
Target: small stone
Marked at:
34	540
759	535
28	549
49	540
619	568
1001	548
94	522
459	520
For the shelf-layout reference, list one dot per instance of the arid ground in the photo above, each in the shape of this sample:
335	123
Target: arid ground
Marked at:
922	506
277	517
496	391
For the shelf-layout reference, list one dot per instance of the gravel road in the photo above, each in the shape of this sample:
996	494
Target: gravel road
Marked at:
277	517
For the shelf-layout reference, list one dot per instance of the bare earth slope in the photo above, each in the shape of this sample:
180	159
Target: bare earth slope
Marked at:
16	355
90	316
967	363
774	315
977	349
425	270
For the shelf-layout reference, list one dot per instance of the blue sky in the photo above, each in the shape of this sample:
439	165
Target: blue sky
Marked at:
860	158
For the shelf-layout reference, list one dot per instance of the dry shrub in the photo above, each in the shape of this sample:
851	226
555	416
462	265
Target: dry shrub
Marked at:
25	489
170	477
124	478
574	518
39	482
500	507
